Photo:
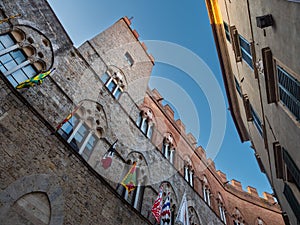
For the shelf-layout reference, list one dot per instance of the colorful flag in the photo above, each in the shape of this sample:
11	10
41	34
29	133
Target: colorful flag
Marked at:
129	181
36	80
166	211
183	214
157	206
107	157
67	118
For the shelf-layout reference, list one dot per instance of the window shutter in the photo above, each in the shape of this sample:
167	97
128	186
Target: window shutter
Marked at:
247	107
270	78
278	160
236	43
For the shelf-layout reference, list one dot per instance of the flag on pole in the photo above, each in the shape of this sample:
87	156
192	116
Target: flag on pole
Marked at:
129	181
5	20
69	116
166	211
183	214
157	206
107	157
36	80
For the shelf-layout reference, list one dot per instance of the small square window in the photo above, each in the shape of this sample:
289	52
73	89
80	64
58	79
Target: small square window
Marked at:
129	59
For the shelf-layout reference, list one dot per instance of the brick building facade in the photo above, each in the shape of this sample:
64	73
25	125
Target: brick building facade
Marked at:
56	177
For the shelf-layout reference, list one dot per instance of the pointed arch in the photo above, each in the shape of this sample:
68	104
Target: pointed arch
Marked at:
188	171
221	208
146	121
23	55
114	80
169	147
39	183
206	192
141	178
193	216
84	126
168	190
238	218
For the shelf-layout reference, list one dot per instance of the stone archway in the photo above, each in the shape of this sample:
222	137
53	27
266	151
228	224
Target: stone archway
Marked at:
34	199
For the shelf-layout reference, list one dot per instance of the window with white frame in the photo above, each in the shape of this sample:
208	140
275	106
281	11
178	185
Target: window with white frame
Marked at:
289	91
206	194
114	82
221	208
206	191
168	152
79	136
145	122
168	148
189	174
246	51
14	63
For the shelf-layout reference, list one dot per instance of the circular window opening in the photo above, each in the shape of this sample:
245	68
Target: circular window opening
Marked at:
30	40
45	42
41	55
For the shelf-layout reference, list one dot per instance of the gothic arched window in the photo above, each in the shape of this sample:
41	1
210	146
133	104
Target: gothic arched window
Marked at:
221	208
145	122
169	204
168	147
189	173
14	62
114	80
206	191
81	129
238	219
135	197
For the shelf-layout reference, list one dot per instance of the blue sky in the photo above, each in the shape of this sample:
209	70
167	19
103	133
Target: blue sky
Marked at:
186	24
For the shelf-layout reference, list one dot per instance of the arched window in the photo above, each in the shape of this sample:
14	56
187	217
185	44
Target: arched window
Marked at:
168	147
79	136
169	205
14	62
189	173
237	217
135	197
206	191
259	221
221	208
145	122
81	129
114	80
193	217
